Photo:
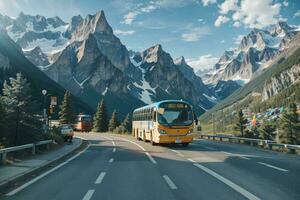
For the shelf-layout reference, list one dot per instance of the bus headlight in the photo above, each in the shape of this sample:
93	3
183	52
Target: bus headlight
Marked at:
161	131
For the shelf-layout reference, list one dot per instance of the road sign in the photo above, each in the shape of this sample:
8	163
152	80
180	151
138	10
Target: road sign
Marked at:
53	101
44	92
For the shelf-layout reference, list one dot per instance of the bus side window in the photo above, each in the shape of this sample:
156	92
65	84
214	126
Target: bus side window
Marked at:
154	116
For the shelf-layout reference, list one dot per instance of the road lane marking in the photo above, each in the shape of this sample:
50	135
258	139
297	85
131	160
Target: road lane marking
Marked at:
191	160
226	152
170	182
147	153
229	183
244	158
18	189
88	195
178	152
100	178
111	160
151	158
114	149
274	167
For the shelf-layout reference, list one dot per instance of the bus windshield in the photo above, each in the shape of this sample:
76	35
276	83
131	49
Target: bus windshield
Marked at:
175	114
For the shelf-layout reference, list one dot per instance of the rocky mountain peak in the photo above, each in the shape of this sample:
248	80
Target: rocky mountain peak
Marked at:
180	61
101	24
156	54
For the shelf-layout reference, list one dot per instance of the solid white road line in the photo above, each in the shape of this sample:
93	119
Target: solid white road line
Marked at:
88	195
245	158
111	160
100	178
234	186
274	167
191	160
114	149
18	189
151	158
170	182
226	152
178	152
147	154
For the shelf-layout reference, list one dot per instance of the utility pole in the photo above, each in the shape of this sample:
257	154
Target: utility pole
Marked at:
213	118
44	92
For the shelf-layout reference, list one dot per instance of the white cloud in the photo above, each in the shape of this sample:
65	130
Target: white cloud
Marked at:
228	5
207	2
238	39
257	13
237	24
222	41
203	62
152	6
124	32
221	20
129	17
194	34
297	14
286	3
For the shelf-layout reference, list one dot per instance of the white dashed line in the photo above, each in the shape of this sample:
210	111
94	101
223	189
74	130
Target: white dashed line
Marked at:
114	150
274	167
151	158
210	148
88	195
234	186
170	182
178	152
111	160
100	178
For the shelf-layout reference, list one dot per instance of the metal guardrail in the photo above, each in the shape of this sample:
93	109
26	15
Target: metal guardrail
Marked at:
4	152
263	143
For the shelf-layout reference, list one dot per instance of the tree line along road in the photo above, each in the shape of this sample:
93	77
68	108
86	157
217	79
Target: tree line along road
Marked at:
119	167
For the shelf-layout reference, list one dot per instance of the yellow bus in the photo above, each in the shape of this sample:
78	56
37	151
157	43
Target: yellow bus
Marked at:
164	122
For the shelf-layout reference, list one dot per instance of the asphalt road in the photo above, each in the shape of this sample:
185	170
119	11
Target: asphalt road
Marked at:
119	167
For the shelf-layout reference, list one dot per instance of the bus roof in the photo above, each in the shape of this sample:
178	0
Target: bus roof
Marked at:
156	104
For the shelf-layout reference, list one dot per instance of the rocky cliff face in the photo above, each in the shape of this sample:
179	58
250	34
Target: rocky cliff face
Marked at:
164	78
108	43
82	65
281	81
37	57
254	53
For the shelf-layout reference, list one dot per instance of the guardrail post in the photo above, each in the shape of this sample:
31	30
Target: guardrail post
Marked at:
229	140
221	138
33	149
3	159
213	137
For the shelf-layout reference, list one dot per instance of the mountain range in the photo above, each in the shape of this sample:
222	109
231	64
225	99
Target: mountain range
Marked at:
85	57
254	54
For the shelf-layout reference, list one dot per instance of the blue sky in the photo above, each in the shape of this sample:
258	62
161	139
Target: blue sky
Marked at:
199	30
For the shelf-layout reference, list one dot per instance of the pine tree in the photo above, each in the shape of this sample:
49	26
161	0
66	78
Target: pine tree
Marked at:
266	131
100	122
66	115
113	122
289	128
21	121
241	123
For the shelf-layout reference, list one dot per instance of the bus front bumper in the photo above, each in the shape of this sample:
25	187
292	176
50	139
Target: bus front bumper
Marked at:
179	139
